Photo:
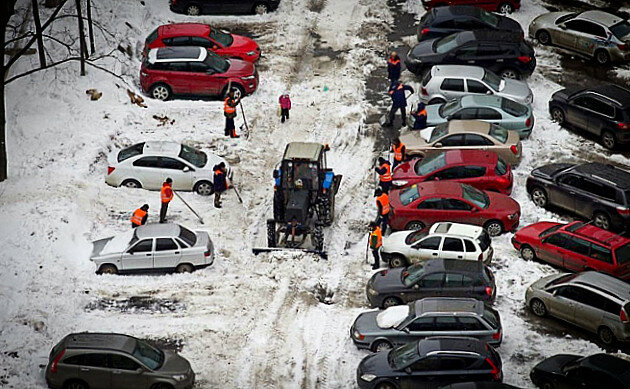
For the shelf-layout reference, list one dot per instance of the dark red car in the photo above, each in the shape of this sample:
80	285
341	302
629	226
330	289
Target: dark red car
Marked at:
576	246
501	6
422	205
188	70
483	170
198	34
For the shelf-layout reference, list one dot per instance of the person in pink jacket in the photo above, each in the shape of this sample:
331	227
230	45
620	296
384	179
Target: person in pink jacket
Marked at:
285	106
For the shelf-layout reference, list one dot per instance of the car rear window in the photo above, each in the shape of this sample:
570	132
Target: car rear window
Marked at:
561	280
426	79
409	195
131	151
484	240
487	275
513	108
623	254
491	316
620	30
430	164
446	44
414	237
501	168
194	156
223	38
498	133
187	236
489	18
218	64
152	37
439	131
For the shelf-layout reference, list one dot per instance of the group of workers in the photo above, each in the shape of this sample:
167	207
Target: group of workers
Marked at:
231	102
399	100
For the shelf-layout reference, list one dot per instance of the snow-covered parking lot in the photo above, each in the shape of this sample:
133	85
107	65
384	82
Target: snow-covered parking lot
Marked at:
278	320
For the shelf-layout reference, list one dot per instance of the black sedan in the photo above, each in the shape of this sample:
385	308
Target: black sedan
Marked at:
504	53
199	7
599	371
442	21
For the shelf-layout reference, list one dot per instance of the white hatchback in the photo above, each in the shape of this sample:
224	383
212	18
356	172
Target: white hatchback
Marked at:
443	241
148	164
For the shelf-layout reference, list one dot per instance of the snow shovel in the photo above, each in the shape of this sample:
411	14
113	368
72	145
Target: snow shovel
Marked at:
240	199
189	207
246	126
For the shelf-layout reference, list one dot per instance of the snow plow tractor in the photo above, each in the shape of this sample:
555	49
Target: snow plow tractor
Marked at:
303	201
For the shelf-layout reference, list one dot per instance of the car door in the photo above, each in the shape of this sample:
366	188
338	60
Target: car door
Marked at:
578	111
490	55
459	211
566	37
429	211
477	142
448	142
177	74
447	326
575	257
452	248
457	285
552	248
593	379
471	326
127	373
178	171
589	37
217	6
139	256
563	194
94	370
167	254
420	374
427	248
421	327
563	301
429	285
603	113
147	171
589	309
464	114
476	87
601	259
200	79
452	88
493	116
455	369
587	195
472	253
466	55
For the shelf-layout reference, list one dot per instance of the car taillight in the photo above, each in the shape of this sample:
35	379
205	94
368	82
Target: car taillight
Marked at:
623	316
489	291
424	91
528	122
207	253
480	257
514	149
110	169
496	335
53	367
424	31
623	210
623	126
622	46
496	373
525	59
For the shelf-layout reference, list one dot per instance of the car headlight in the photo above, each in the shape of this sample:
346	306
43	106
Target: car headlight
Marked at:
400	182
248	77
368	377
356	334
179	377
512	216
250	53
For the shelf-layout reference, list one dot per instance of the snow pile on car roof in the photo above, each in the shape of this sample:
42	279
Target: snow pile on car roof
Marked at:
392	316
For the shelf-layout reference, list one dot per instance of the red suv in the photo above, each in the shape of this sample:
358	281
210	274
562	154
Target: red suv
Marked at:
501	6
575	246
481	169
197	34
188	70
422	205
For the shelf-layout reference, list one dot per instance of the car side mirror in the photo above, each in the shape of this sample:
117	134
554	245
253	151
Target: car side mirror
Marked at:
489	92
215	47
406	329
416	286
186	169
473	209
139	370
408	370
438	145
562	26
209	71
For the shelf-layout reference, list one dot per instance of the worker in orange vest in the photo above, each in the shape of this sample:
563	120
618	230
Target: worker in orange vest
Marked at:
229	110
419	117
394	67
384	170
376	241
166	195
400	152
382	205
140	216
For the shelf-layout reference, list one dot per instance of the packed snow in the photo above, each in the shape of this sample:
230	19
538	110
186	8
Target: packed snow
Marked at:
392	316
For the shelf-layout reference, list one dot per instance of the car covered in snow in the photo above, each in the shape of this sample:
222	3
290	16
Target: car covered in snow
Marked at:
153	247
147	164
443	241
431	316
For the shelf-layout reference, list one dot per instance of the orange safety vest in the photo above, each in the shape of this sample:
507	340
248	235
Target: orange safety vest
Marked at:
228	108
137	217
393	61
387	176
383	200
398	155
379	238
423	112
166	193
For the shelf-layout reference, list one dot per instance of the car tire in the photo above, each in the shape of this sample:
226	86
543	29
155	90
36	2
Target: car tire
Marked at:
415	225
609	140
538	307
602	220
75	384
510	73
505	8
494	227
398	260
557	115
271	233
193	10
184	268
133	184
239	91
539	197
108	269
602	57
527	253
436	100
391	301
161	92
318	238
204	188
260	8
381	345
386	385
543	37
606	336
547	385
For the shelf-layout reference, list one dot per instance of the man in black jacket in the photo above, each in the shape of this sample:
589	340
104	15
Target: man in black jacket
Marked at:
399	102
220	183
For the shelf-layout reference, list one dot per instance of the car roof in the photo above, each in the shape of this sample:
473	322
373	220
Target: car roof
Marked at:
458	229
455	10
437	265
497	37
303	150
619	95
439	188
161	148
481	100
608	173
601	281
99	340
600	17
184	29
157	230
448	304
464	157
462	126
593	232
607	362
435	345
459	71
177	54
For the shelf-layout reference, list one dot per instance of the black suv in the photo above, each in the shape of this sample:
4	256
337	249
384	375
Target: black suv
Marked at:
429	363
590	190
603	110
434	278
198	7
505	53
565	371
442	21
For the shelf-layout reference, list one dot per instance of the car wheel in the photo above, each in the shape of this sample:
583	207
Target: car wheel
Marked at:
204	188
131	184
538	307
436	100
398	261
608	140
539	197
162	386
385	385
184	268
543	37
510	73
381	345
391	301
602	57
260	8
557	115
108	269
547	385
193	10
505	8
528	253
601	220
160	92
494	227
606	336
239	92
75	385
416	225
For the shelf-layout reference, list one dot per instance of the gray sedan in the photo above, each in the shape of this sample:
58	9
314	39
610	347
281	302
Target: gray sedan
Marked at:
594	34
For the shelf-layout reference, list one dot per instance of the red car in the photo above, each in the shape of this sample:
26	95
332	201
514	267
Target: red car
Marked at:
575	246
188	70
197	34
421	205
501	6
483	170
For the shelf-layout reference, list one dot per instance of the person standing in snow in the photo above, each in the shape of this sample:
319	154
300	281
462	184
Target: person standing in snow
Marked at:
376	241
394	67
399	102
384	174
382	205
419	117
220	183
140	216
400	152
285	106
229	110
166	195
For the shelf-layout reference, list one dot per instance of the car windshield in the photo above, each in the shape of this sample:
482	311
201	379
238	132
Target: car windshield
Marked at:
438	132
623	254
499	133
412	274
403	356
130	151
491	316
414	237
484	241
489	18
194	156
621	29
492	80
446	44
222	38
430	164
513	108
148	355
550	230
565	18
449	108
409	195
475	196
216	63
187	236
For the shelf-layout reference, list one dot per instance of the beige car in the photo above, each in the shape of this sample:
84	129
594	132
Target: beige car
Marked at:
466	134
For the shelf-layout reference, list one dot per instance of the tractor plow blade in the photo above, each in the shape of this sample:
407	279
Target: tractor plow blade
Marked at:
258	250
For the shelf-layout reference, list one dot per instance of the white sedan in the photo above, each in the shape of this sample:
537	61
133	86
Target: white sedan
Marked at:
443	241
148	164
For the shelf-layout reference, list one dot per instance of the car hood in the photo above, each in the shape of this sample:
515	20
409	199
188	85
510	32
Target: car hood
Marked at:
395	240
413	140
376	364
503	204
515	89
365	323
98	245
556	363
423	49
174	364
239	68
433	115
387	280
563	94
405	170
533	231
549	171
548	19
243	44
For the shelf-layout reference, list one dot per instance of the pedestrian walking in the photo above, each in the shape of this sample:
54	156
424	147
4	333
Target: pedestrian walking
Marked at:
394	67
166	195
220	183
376	241
384	174
419	117
285	106
400	152
399	102
140	216
229	110
382	205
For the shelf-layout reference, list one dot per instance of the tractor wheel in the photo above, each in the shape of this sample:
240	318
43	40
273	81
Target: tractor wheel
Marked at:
318	238
329	209
271	233
278	206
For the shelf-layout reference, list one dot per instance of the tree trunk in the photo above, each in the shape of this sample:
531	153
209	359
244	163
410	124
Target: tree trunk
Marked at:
82	44
90	29
38	34
7	9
